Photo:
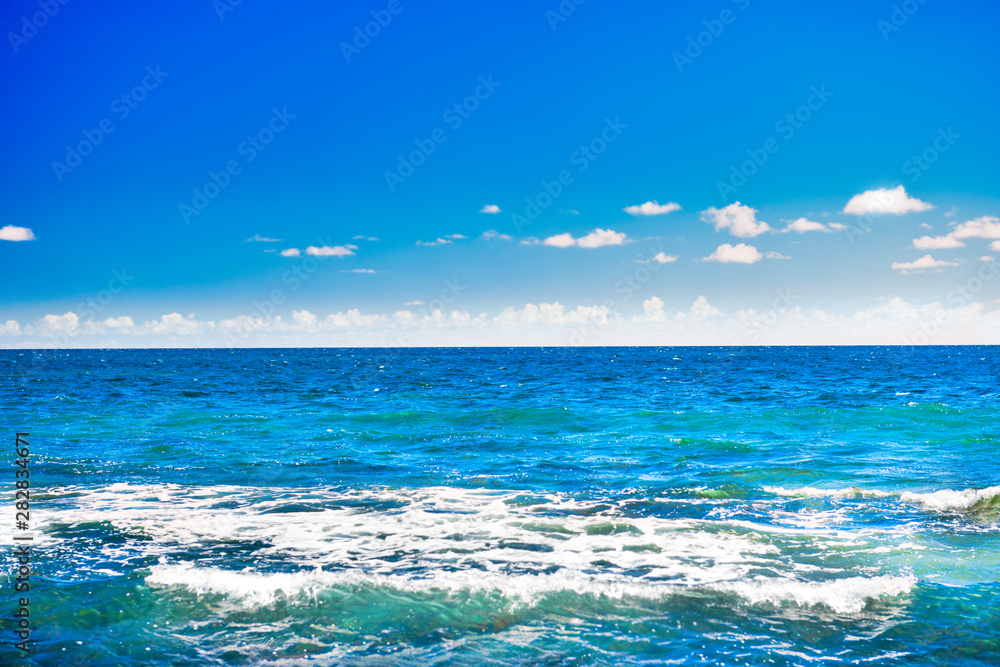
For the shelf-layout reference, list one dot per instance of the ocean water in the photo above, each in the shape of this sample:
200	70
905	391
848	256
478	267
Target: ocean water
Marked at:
587	506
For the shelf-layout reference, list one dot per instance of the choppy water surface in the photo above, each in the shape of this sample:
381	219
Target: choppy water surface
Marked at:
600	506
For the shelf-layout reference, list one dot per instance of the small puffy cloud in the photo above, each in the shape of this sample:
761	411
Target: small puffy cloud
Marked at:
494	235
10	328
774	254
457	236
291	252
937	242
922	264
995	246
601	237
986	258
303	319
802	225
652	208
652	305
596	239
926	226
359	271
67	323
985	227
123	322
737	219
884	200
257	238
437	241
12	233
659	258
415	303
359	237
490	208
565	240
175	323
331	251
702	309
740	253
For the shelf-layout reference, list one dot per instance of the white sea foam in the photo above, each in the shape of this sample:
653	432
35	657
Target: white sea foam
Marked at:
844	596
813	492
252	588
949	499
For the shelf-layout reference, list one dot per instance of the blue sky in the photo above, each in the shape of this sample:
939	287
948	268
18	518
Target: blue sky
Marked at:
652	102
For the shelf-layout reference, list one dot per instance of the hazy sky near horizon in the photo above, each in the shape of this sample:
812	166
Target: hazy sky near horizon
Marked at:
396	172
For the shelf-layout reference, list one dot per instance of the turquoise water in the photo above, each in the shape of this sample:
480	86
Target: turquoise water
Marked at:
597	506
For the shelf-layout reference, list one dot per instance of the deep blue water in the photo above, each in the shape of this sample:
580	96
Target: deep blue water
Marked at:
584	506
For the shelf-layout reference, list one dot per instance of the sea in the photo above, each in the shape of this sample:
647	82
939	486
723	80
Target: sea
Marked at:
504	506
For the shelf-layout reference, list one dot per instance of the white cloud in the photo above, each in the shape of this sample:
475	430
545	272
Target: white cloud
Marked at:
984	227
596	239
359	271
359	237
291	252
883	200
123	322
175	323
660	258
415	303
737	219
601	237
652	208
995	246
802	225
490	208
564	240
987	258
438	241
12	233
10	328
494	235
68	323
926	226
261	239
331	251
937	242
774	254
922	264
740	253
